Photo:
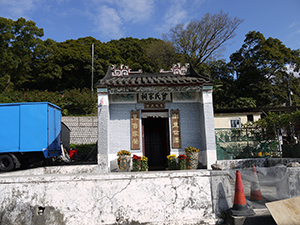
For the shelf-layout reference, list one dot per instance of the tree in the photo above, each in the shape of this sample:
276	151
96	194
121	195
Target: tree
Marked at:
140	54
243	102
68	65
161	55
223	82
273	122
260	68
204	39
44	68
18	42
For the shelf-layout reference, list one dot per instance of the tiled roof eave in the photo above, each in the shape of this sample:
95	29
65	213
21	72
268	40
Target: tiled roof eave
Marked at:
163	84
154	81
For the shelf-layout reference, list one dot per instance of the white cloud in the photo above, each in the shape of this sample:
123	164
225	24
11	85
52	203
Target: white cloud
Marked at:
174	15
115	16
112	17
62	1
292	25
136	10
15	9
108	23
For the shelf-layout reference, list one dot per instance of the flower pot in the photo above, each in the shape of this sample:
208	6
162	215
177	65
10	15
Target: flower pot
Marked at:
191	160
182	164
172	164
144	165
124	163
136	165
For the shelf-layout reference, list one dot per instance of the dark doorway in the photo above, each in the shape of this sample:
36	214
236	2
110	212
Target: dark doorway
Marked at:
156	142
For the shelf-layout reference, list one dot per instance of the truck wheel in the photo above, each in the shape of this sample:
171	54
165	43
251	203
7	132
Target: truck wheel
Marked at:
6	163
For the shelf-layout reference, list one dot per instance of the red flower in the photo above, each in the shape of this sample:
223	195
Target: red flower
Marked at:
182	157
135	157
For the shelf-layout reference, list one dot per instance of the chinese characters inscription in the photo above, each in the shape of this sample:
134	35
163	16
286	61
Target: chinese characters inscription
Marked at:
160	96
135	130
175	122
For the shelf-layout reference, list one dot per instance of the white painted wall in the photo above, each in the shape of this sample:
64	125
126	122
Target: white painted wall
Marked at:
71	198
222	120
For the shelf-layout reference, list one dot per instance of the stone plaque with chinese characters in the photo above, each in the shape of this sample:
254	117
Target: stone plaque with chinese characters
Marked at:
155	97
135	130
175	122
154	105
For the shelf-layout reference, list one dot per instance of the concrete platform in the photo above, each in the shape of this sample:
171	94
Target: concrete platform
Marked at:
262	216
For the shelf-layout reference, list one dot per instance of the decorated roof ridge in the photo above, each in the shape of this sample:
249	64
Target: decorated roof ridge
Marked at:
125	71
177	75
177	69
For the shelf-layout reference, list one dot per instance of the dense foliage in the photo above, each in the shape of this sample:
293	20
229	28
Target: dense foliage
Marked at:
260	70
288	124
27	62
71	102
32	69
258	75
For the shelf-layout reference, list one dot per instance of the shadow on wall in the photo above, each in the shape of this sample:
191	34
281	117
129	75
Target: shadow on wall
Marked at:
222	204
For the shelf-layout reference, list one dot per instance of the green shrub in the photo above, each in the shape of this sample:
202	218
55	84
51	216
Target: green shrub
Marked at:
73	102
85	152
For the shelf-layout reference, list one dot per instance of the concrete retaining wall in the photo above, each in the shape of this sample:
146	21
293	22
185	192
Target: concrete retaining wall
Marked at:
61	195
67	195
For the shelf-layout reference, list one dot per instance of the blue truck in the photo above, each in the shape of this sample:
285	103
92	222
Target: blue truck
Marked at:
29	132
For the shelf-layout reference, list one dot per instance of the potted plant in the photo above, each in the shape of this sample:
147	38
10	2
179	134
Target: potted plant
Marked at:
136	163
191	157
182	162
124	160
144	162
172	161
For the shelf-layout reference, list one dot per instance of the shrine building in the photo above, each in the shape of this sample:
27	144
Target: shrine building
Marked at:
155	115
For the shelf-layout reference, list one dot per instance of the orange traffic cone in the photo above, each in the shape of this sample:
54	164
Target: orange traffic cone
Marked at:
240	207
255	193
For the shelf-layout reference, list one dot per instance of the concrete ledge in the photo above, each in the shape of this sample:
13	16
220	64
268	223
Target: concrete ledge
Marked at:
258	162
63	170
162	197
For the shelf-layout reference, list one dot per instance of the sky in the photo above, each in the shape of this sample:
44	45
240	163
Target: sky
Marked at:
108	20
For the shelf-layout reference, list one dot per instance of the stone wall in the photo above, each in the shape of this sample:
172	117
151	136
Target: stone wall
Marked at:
66	196
84	130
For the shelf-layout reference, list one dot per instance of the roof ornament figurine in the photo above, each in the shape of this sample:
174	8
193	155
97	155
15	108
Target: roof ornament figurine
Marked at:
122	71
177	69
